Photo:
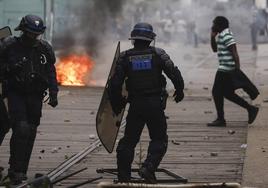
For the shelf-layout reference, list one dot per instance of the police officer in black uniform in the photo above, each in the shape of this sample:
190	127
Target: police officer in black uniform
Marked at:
4	120
27	65
142	66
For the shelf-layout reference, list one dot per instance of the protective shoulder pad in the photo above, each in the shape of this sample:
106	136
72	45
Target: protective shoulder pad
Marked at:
162	53
8	41
49	50
46	44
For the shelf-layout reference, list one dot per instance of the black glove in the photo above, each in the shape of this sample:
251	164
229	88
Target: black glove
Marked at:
53	99
119	105
178	96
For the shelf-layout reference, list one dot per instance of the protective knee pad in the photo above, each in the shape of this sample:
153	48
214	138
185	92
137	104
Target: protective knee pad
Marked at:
156	151
21	145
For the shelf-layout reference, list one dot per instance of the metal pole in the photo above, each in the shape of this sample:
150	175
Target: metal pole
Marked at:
140	185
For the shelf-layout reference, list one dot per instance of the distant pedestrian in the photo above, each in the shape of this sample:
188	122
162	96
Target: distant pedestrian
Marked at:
258	26
229	76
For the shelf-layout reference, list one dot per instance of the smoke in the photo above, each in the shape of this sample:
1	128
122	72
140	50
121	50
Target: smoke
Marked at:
84	24
94	26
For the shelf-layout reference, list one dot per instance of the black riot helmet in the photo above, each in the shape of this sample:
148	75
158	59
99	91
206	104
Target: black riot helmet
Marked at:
32	24
142	31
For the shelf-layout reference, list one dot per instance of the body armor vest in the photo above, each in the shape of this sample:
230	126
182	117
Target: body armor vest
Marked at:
33	77
144	72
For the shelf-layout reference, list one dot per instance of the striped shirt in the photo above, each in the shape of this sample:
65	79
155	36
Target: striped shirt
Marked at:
226	60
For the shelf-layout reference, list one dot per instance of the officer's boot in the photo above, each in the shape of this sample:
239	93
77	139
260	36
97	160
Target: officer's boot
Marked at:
156	152
16	178
148	174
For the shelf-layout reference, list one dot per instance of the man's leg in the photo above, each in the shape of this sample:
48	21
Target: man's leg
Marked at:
4	121
254	33
217	93
20	131
21	142
157	126
252	110
126	146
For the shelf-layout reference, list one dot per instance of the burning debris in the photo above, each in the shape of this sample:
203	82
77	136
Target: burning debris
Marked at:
75	70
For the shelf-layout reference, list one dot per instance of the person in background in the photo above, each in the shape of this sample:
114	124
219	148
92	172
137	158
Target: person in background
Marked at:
228	73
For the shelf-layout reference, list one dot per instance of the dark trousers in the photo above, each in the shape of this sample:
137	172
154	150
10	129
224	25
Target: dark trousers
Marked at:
4	120
223	88
143	110
25	114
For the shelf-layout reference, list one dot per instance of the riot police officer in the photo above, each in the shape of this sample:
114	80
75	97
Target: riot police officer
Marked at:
27	65
143	66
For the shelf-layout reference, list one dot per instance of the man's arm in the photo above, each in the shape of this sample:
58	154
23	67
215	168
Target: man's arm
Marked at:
52	76
232	48
213	41
173	73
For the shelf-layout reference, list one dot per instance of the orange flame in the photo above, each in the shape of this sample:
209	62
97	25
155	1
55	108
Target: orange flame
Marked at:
74	69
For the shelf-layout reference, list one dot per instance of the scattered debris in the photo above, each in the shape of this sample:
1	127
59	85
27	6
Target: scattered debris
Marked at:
205	88
213	154
244	146
68	146
265	100
67	120
66	157
39	157
92	112
54	150
175	142
208	112
231	131
191	155
42	151
92	136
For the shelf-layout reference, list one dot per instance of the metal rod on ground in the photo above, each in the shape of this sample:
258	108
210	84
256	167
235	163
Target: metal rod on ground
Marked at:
76	158
67	176
140	185
85	182
73	160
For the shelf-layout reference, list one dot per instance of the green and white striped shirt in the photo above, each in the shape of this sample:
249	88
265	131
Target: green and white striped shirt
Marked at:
226	60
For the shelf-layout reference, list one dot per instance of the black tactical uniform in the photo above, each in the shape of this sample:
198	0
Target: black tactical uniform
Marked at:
143	66
4	122
27	65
